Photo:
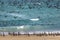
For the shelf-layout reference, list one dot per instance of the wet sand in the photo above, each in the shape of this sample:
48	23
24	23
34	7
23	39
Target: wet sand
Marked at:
32	37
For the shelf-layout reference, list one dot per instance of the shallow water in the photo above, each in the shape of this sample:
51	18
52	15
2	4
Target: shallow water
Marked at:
18	13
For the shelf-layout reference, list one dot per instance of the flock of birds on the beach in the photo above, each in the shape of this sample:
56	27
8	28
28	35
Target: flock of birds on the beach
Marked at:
30	33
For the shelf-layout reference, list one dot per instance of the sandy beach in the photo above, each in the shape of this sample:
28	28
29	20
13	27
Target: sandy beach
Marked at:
32	37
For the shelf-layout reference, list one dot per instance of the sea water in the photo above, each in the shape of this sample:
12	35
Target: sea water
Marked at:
29	15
